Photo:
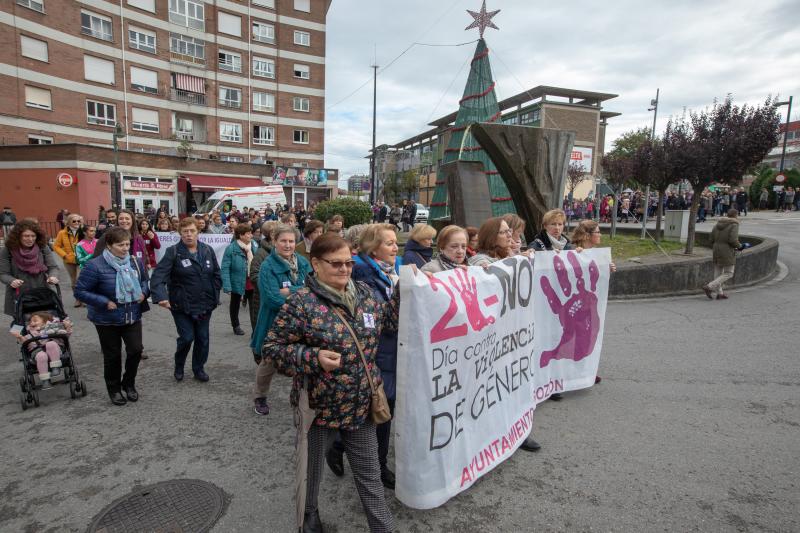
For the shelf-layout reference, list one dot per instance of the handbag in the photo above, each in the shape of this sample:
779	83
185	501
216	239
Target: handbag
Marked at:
379	404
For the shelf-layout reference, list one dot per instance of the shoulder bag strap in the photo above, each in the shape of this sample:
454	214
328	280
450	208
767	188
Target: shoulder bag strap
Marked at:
358	346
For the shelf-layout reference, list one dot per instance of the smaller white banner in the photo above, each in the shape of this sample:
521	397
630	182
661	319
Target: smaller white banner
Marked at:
218	242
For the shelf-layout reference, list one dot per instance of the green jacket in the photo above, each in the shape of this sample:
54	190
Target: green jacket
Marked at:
234	268
725	241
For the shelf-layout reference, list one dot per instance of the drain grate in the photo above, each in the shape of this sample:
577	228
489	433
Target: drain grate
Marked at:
175	506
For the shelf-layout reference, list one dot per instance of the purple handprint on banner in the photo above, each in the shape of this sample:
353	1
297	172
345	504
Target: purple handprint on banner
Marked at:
578	315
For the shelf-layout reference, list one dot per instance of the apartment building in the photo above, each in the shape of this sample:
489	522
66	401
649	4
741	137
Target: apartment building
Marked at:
238	81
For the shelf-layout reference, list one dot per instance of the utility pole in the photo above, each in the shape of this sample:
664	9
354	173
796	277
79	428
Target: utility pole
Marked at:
654	109
785	130
373	190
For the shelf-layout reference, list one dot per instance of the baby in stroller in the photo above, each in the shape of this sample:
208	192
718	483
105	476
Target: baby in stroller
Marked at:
47	352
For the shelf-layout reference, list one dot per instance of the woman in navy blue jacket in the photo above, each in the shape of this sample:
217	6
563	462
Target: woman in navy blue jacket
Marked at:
379	268
115	287
187	281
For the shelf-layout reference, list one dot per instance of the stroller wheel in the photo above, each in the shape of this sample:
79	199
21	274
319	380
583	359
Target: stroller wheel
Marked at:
83	388
23	400
23	385
73	393
35	395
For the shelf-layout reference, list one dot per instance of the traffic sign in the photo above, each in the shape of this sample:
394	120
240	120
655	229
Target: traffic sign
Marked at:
65	180
780	178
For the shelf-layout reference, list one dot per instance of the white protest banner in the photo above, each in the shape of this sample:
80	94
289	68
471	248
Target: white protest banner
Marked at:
217	241
477	350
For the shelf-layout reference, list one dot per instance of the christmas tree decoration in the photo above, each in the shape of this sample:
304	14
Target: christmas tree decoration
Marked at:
482	19
479	104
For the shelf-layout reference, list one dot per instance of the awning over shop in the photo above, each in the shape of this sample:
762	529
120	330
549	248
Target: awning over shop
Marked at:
220	183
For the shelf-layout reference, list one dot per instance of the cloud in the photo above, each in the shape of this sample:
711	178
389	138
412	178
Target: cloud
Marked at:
693	51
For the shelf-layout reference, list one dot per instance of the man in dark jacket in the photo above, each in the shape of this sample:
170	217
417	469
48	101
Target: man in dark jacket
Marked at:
7	220
187	281
741	201
725	242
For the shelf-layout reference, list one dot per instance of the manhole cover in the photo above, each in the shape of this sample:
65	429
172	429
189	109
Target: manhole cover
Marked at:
175	506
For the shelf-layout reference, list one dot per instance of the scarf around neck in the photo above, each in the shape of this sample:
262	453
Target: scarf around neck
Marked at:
29	260
128	288
558	244
88	246
447	263
346	298
388	270
248	251
292	264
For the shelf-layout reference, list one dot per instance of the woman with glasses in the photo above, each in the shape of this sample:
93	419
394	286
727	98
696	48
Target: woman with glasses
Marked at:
64	245
494	242
281	274
311	340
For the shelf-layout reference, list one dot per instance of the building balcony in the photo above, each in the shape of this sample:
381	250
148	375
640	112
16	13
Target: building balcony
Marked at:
192	136
179	95
184	58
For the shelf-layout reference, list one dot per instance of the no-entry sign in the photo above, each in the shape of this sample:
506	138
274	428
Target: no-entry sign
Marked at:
65	180
780	178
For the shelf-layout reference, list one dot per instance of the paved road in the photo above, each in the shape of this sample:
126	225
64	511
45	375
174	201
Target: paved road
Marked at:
694	428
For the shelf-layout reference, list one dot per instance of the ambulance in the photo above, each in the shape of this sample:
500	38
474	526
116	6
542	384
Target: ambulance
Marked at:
244	199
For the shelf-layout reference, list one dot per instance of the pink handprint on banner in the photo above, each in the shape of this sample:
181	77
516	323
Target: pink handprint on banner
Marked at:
578	315
466	286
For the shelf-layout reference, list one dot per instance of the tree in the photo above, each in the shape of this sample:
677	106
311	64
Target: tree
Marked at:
408	183
617	169
575	176
724	143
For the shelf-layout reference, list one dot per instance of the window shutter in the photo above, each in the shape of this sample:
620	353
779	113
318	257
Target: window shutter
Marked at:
147	5
99	70
145	116
38	97
302	5
230	24
34	48
144	77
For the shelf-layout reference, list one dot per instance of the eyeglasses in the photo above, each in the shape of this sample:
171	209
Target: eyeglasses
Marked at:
339	264
504	232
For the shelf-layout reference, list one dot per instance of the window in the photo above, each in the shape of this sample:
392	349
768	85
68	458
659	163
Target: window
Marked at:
263	135
263	102
96	26
144	80
300	137
231	158
230	24
302	5
33	48
264	68
145	120
265	3
230	131
230	61
188	46
39	139
302	71
184	128
99	70
301	104
32	4
143	40
38	98
187	13
303	38
147	5
230	97
100	113
530	117
263	32
510	120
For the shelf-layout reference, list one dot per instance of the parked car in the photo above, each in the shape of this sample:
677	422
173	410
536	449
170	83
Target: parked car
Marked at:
422	214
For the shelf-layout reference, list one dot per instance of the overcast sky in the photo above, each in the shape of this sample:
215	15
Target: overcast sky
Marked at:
693	51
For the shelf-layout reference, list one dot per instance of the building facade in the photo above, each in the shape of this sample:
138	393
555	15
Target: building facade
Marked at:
238	81
542	106
791	158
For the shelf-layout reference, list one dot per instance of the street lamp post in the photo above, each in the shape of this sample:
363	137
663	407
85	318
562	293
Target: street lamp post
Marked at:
786	129
653	103
119	133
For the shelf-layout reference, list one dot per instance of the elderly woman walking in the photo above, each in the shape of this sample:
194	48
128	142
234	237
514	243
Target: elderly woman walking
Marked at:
282	274
64	245
235	272
187	281
419	247
326	336
26	262
115	287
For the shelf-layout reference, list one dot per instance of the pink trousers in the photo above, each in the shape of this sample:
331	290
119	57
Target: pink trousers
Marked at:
51	352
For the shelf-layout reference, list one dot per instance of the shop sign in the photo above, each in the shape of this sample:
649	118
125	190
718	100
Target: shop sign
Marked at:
65	180
155	186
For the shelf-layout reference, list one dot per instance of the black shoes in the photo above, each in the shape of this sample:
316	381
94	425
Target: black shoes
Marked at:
117	398
200	375
335	460
238	331
130	393
530	445
178	374
312	523
708	292
387	478
556	397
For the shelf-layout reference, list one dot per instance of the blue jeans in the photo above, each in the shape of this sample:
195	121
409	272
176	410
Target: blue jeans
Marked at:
192	331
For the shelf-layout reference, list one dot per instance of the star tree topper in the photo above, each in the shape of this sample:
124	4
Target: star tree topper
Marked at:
482	20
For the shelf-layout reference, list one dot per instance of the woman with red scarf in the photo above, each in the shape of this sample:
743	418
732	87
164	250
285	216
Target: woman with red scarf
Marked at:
26	262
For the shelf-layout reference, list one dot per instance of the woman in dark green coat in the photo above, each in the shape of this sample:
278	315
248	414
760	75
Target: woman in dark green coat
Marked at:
235	270
282	273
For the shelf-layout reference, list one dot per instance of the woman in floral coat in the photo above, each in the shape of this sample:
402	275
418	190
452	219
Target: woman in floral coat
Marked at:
331	391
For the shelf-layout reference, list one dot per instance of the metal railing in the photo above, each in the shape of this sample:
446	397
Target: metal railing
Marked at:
185	58
195	136
179	95
232	104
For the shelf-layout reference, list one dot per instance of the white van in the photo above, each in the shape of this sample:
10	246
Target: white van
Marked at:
244	199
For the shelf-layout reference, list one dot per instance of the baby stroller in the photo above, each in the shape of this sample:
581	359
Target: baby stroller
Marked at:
27	302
